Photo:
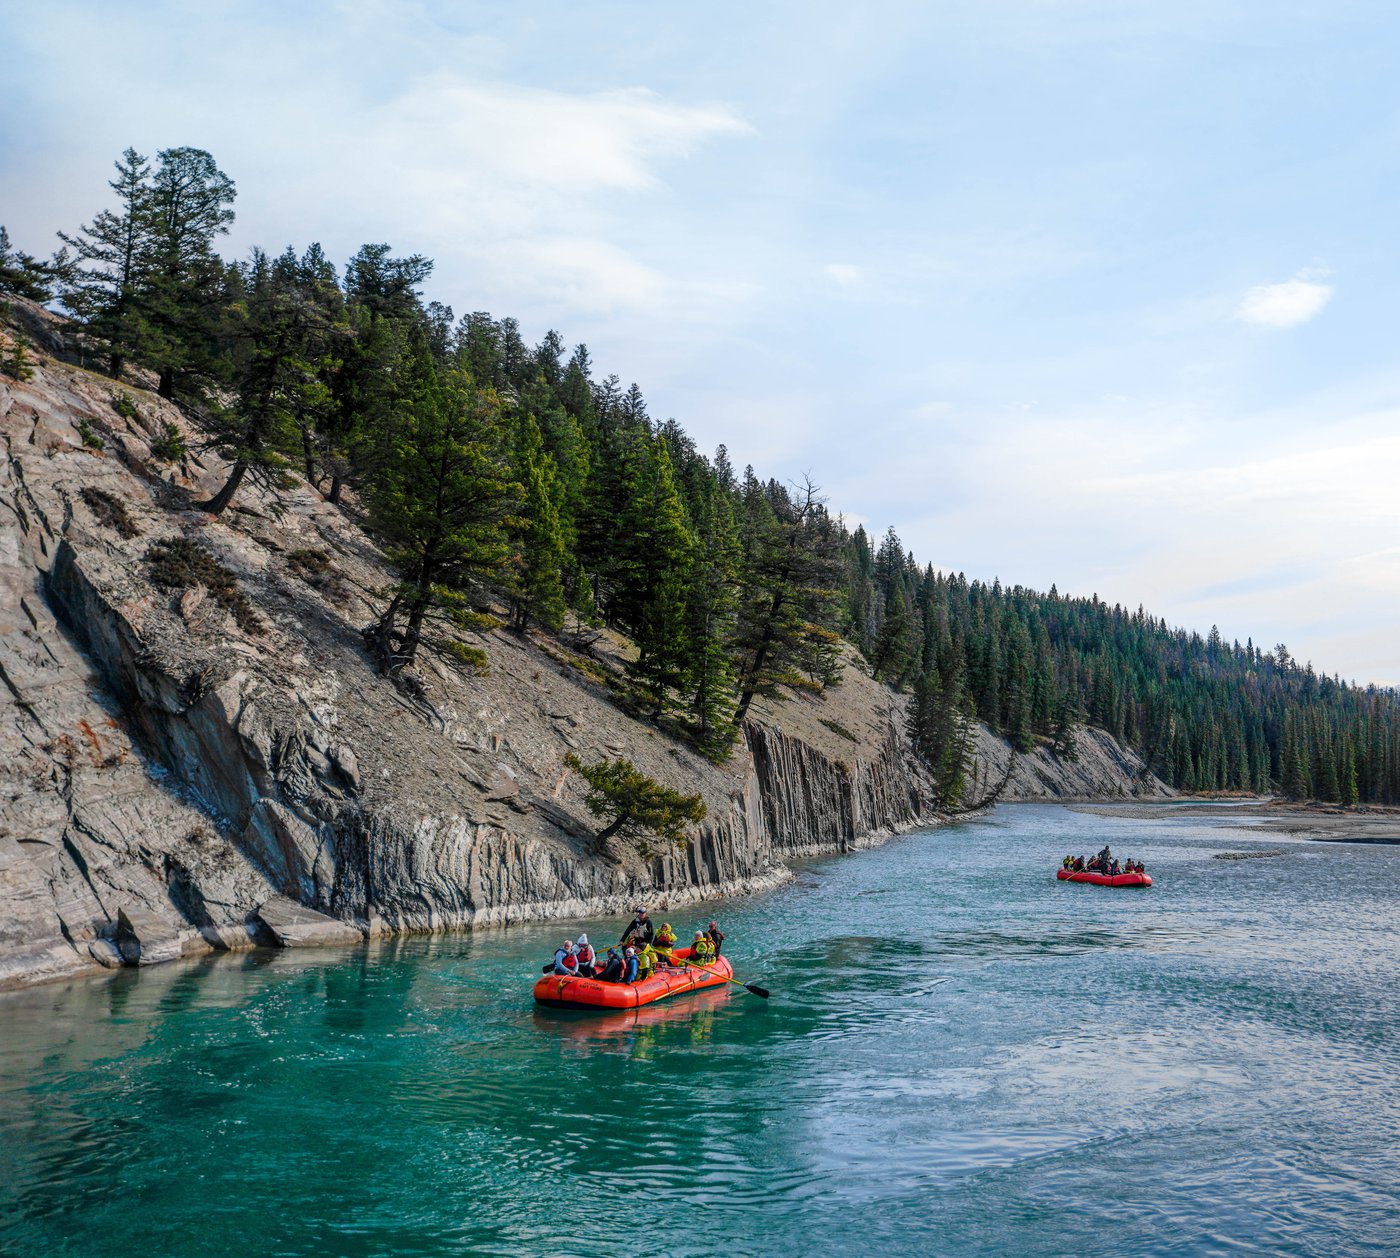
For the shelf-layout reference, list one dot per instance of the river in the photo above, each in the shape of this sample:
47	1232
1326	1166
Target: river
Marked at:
961	1056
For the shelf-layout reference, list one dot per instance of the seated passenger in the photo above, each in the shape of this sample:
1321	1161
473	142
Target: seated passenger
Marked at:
629	973
702	951
612	971
1113	869
646	962
665	941
566	960
587	958
716	938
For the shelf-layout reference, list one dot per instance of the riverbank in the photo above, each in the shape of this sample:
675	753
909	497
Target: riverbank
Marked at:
1322	823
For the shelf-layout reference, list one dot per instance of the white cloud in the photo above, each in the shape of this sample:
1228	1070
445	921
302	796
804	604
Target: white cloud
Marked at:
485	133
845	275
1285	305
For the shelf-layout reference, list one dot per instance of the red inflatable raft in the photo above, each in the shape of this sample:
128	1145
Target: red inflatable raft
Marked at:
589	993
1104	880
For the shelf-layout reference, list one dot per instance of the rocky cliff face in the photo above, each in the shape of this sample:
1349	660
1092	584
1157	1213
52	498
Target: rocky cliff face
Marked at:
209	762
1100	769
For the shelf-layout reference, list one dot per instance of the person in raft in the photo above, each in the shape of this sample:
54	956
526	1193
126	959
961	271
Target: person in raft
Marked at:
702	951
613	970
646	962
639	930
587	958
566	959
629	973
665	938
716	937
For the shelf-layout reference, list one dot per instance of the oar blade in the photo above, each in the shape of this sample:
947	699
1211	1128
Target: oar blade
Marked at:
757	990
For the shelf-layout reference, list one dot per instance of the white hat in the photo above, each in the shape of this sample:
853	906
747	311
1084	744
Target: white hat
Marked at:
631	952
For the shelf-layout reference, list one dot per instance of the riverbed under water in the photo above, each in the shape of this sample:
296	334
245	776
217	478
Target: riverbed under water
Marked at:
961	1056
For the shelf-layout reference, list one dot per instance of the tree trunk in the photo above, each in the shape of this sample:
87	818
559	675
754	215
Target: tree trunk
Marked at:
220	500
334	496
114	365
600	840
308	453
412	632
167	384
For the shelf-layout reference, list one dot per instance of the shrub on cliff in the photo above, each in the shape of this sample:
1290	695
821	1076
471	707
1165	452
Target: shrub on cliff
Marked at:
638	805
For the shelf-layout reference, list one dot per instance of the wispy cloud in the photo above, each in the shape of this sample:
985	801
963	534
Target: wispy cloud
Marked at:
1285	305
844	274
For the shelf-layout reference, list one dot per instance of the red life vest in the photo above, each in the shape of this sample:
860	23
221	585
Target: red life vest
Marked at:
586	955
570	961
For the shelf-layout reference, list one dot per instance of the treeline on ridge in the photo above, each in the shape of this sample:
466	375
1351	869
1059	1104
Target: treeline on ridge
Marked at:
501	475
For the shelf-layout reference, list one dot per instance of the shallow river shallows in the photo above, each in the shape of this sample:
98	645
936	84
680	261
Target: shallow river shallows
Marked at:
961	1056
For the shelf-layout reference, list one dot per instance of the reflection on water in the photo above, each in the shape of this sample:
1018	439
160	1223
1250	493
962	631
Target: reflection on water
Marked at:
962	1056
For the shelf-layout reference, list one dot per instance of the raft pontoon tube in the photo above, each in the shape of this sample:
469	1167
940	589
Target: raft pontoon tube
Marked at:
589	993
1104	880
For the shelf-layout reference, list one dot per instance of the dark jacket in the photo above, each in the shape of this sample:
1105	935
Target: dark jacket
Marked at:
612	972
638	933
716	938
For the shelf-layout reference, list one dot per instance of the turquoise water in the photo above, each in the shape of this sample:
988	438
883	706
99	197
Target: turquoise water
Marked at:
961	1056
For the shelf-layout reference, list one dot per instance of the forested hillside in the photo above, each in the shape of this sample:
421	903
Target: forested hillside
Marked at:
506	479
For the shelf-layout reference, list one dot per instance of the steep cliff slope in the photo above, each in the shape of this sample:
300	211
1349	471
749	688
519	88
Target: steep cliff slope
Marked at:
1101	769
196	753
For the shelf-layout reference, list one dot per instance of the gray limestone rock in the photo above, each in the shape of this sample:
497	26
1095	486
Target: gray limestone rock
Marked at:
293	925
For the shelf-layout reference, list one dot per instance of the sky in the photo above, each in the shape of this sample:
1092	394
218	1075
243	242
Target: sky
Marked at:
1098	293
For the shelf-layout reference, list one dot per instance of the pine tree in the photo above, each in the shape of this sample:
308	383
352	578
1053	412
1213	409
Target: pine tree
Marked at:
538	592
637	804
184	286
111	259
22	275
441	499
712	592
279	390
790	601
16	362
657	546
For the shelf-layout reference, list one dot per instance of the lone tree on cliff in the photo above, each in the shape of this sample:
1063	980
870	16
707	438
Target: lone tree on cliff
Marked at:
638	805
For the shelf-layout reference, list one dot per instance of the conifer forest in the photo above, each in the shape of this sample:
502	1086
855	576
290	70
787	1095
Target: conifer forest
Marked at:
520	484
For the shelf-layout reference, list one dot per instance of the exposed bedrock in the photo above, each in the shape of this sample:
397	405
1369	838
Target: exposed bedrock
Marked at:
181	775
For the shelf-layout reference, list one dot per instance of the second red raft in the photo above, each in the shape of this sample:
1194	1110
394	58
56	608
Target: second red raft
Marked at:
1104	880
589	993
